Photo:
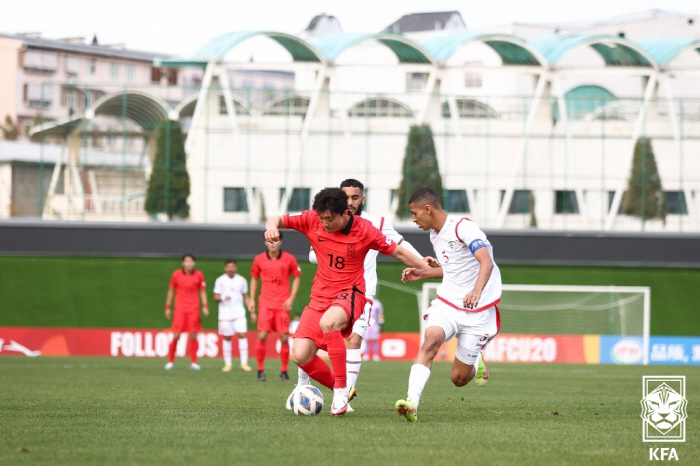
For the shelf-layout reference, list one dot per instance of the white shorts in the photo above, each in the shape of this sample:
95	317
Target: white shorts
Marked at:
361	324
229	327
474	330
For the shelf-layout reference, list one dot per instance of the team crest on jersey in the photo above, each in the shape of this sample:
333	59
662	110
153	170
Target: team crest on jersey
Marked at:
351	249
453	246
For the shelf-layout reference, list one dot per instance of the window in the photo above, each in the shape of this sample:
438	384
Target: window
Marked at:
91	67
40	61
114	70
172	77
299	200
72	65
156	75
37	95
380	108
289	106
565	202
676	202
472	78
468	108
520	204
130	72
611	196
456	200
235	200
70	98
416	81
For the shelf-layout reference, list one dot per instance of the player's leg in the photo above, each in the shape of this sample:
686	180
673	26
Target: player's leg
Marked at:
375	348
265	323
194	347
226	330
172	348
282	327
353	344
476	331
304	356
334	320
240	328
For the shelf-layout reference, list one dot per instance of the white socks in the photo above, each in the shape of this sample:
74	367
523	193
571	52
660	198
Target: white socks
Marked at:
354	358
416	381
303	377
243	349
226	345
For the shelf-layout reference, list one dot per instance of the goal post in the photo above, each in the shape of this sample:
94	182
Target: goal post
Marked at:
568	310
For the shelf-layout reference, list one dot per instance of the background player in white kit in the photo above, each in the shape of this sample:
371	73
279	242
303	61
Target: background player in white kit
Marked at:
231	292
355	191
466	303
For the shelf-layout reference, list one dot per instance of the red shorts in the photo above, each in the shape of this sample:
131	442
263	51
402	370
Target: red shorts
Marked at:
187	322
352	302
273	320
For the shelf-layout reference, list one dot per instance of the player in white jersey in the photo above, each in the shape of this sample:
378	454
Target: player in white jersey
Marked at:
355	191
466	303
231	292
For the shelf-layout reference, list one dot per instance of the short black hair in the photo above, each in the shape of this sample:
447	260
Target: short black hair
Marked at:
352	183
333	200
230	261
186	255
425	196
281	235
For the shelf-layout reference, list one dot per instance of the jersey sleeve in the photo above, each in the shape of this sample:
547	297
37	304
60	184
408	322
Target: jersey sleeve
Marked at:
244	286
380	242
300	221
255	269
471	235
217	286
389	231
294	269
202	283
173	280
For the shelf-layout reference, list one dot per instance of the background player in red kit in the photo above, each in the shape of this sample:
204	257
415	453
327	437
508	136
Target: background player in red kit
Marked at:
188	286
273	267
341	242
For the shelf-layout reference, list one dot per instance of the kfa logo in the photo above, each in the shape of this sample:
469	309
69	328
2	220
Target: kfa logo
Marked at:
664	409
351	249
662	454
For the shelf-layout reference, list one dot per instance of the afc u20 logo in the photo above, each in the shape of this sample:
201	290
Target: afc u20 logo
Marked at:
664	408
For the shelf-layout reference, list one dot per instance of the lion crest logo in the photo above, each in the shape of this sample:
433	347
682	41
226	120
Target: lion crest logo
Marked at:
664	409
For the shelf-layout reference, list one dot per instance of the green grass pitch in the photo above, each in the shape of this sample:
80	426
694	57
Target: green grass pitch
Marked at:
75	411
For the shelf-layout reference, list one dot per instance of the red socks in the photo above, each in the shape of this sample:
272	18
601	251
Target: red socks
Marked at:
194	347
320	372
260	354
336	352
171	350
284	356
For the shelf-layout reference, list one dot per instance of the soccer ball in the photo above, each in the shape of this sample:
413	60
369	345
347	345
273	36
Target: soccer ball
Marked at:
306	400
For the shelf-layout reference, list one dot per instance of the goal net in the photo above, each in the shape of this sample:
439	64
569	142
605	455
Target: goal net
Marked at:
552	323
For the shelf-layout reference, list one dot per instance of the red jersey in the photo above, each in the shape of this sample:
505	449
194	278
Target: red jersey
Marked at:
274	275
341	255
187	286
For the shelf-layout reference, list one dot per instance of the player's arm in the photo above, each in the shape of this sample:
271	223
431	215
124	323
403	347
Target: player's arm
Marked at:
253	294
272	226
471	300
289	302
168	302
205	305
404	256
413	274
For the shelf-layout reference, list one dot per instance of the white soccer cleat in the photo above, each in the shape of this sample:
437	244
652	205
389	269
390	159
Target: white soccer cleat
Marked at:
408	409
169	366
195	367
341	398
482	372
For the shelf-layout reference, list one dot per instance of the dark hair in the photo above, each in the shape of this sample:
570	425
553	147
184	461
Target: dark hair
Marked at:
230	261
425	196
281	235
352	183
186	255
331	199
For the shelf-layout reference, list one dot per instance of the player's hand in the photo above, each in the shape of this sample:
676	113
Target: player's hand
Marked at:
410	275
168	314
253	317
471	301
205	311
251	306
431	261
288	303
272	235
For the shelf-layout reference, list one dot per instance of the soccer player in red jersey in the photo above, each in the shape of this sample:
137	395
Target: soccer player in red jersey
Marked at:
274	267
341	242
188	286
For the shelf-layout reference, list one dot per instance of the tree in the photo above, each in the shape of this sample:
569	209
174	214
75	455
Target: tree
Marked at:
420	167
10	132
644	196
169	185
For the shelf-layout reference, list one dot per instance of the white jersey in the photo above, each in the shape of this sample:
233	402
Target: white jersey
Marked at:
387	229
234	288
454	248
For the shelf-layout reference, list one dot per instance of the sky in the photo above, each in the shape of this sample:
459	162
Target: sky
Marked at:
181	27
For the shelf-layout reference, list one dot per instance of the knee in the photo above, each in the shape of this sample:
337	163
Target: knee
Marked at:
300	359
460	380
284	339
431	345
262	337
354	341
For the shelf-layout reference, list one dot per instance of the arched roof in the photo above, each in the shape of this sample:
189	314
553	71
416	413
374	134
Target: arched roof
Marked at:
511	49
665	49
186	107
615	51
407	51
142	108
300	50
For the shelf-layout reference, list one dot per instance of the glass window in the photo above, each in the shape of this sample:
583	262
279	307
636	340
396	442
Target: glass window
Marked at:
676	202
611	196
456	200
520	204
235	200
416	81
380	108
299	200
114	70
565	202
91	67
72	65
130	72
